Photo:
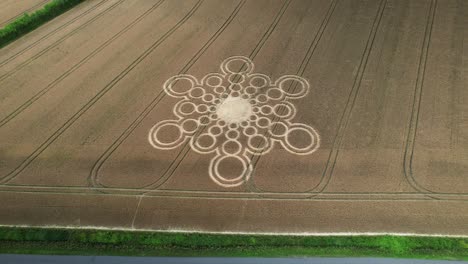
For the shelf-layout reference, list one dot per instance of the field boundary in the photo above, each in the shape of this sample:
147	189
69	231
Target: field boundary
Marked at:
32	8
93	241
28	22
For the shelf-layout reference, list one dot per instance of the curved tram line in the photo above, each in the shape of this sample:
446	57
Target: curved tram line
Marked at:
236	195
166	175
94	174
416	106
327	173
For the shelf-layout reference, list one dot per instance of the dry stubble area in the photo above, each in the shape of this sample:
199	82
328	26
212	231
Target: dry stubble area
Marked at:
332	116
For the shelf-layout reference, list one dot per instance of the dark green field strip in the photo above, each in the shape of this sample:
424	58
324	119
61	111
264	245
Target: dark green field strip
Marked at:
136	243
28	22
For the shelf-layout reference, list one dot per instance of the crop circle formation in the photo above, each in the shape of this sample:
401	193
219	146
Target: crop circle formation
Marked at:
235	114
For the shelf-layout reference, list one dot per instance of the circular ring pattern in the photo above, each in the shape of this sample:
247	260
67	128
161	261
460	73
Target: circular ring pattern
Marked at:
185	108
189	125
278	129
215	130
259	144
236	78
221	180
202	109
295	81
250	90
196	92
261	98
219	89
204	120
172	91
284	110
245	65
310	148
266	109
231	147
213	79
199	143
156	141
232	134
208	98
275	94
259	80
263	122
250	131
266	102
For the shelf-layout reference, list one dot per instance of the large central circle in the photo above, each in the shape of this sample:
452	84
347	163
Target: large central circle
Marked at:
234	110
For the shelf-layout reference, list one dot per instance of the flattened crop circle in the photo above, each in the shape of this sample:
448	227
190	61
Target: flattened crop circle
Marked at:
307	131
180	85
237	64
223	180
293	86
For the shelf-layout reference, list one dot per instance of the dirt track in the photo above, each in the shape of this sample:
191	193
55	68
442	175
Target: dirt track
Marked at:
11	9
378	144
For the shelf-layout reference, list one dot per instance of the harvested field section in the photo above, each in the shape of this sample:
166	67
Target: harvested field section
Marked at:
66	97
118	107
244	116
332	69
439	155
378	118
156	174
72	53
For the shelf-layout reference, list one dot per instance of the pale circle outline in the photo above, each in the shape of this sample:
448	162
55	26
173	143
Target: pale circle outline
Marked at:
290	106
259	151
263	118
272	124
218	179
247	77
197	97
215	127
187	120
283	94
223	147
259	75
247	61
200	149
305	84
254	90
250	127
219	76
167	86
208	94
177	110
315	139
156	143
232	75
216	89
233	131
268	107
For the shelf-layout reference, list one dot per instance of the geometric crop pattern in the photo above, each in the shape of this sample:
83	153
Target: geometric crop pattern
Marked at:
234	114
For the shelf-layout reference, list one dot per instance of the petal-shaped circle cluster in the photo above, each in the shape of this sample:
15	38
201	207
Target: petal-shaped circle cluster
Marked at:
235	114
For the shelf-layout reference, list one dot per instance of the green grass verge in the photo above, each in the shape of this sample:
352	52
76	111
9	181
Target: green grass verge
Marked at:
99	242
29	22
